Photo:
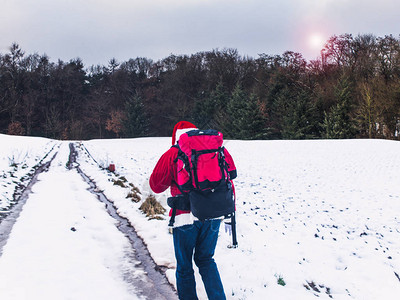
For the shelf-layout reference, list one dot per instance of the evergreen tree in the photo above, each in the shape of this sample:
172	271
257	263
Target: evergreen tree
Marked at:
338	123
236	119
246	120
256	126
211	111
301	119
279	104
136	123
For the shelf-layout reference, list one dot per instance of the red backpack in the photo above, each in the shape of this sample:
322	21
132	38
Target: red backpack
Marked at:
203	176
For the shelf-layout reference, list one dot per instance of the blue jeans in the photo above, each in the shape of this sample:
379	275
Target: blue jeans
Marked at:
200	238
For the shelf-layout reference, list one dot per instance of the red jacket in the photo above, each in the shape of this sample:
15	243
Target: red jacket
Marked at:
165	173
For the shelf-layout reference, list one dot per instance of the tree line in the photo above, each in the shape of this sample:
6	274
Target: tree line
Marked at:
351	91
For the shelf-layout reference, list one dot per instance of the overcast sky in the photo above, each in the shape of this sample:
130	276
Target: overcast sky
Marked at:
98	30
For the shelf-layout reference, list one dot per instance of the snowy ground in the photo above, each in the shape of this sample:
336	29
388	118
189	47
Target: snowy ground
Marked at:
19	158
64	245
321	215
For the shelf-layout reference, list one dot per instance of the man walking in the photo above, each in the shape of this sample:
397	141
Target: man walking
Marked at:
194	239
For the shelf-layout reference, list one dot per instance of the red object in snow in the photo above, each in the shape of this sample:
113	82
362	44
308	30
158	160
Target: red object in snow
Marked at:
111	167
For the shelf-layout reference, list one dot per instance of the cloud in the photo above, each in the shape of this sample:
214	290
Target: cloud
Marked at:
97	30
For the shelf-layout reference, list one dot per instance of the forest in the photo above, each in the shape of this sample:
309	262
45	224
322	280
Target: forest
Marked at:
352	90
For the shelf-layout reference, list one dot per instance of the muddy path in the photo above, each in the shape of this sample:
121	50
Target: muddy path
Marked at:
21	195
157	286
153	284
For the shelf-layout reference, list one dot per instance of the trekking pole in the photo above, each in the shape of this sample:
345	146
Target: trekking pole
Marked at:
233	224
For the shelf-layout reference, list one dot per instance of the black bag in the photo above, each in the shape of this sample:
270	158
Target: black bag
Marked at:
214	203
180	202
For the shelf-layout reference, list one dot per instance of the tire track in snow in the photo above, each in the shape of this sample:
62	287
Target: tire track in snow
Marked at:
158	286
20	197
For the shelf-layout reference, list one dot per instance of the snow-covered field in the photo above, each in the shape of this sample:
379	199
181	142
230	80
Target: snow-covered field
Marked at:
19	156
319	217
64	245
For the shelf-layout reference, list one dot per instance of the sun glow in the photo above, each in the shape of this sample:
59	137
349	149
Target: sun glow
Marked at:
316	41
